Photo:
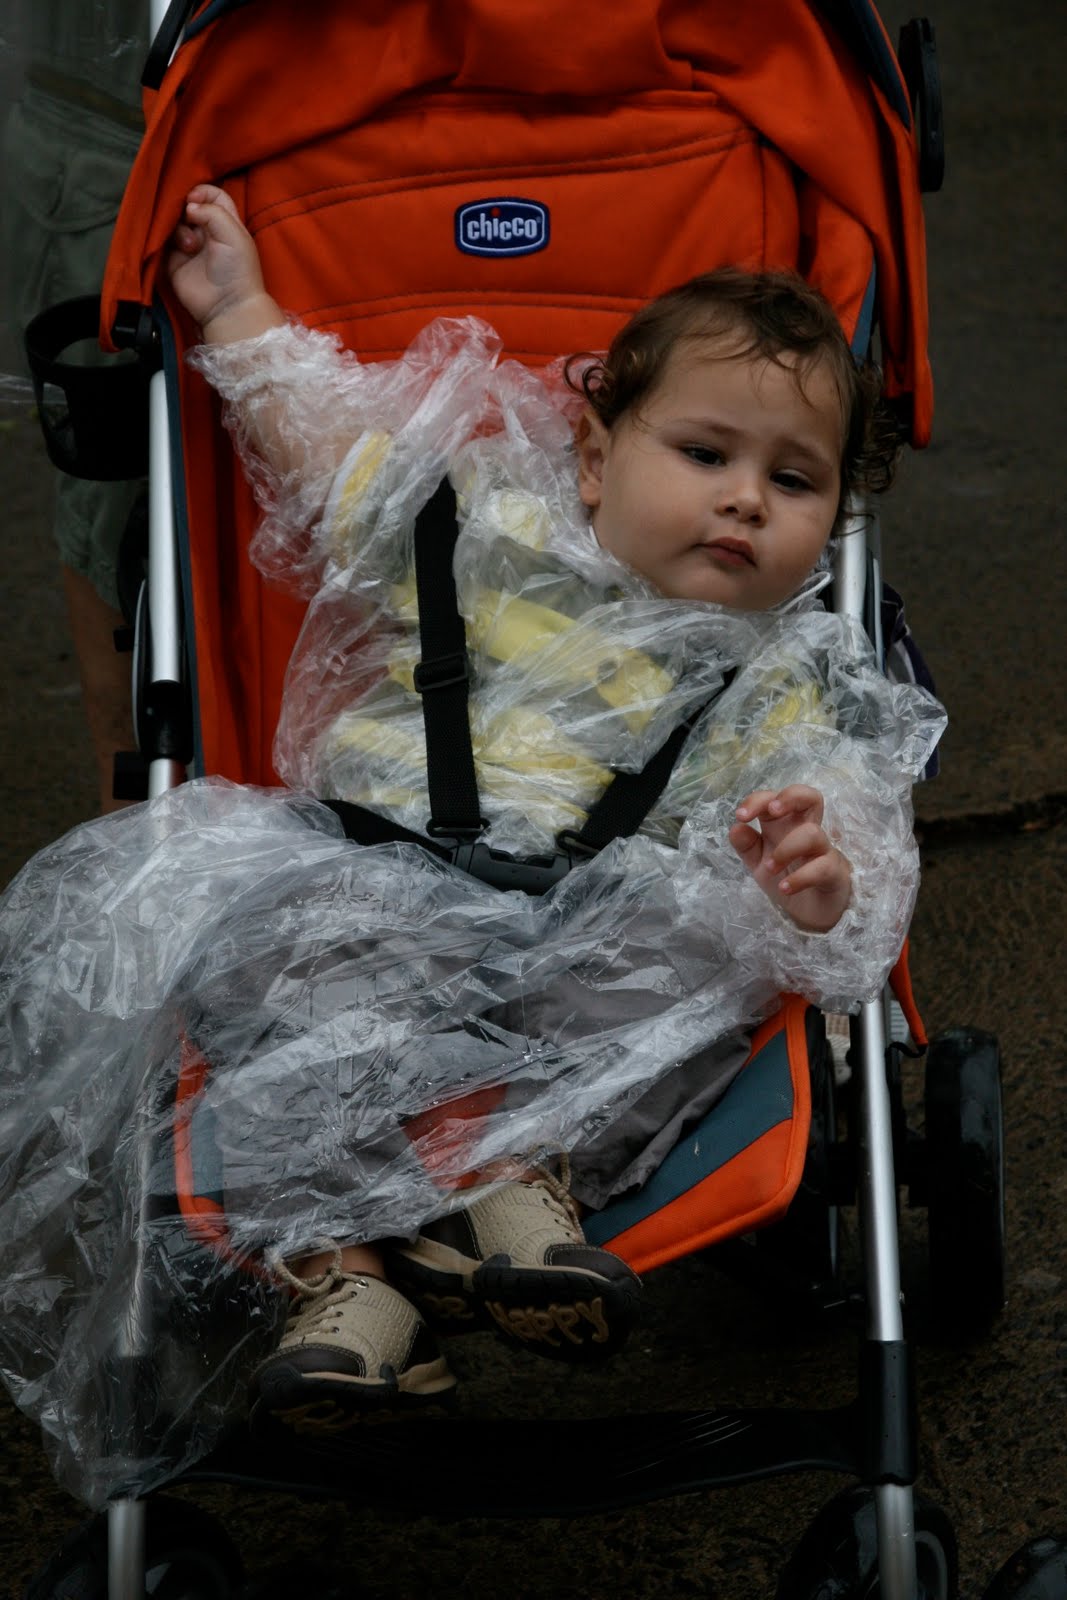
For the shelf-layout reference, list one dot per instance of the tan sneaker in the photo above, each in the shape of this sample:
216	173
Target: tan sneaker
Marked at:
352	1346
516	1261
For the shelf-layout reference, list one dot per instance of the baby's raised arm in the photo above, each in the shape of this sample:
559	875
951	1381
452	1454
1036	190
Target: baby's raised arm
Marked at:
289	422
300	407
215	273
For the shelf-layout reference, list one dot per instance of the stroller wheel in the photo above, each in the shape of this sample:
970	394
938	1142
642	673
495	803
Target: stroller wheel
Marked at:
1036	1572
837	1559
964	1179
188	1556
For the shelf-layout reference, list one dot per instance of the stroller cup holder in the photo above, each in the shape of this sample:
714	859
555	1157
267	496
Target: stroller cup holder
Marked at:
94	418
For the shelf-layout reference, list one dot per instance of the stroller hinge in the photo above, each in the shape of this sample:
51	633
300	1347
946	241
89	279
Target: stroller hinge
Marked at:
134	328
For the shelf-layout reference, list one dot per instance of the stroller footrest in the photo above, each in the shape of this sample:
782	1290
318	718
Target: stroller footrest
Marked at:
597	1463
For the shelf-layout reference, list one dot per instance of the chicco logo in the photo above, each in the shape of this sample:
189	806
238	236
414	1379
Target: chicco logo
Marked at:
502	227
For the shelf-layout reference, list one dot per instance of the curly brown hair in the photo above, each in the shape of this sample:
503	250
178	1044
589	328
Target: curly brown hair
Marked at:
776	314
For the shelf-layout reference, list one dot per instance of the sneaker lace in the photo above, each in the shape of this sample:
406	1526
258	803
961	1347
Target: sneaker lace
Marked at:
318	1300
557	1189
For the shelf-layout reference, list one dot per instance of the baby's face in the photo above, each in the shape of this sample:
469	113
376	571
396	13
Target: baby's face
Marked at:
725	484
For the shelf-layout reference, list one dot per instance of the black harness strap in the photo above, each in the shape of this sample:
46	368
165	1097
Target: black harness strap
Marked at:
630	796
370	827
442	677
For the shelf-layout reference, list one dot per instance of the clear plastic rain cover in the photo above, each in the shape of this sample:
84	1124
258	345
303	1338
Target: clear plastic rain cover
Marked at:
227	1031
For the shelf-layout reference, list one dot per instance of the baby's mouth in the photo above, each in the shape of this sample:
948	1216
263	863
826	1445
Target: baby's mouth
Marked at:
734	552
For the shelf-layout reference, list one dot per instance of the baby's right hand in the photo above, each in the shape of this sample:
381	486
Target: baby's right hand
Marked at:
214	269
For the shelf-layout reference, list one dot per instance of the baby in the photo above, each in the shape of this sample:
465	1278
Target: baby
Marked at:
718	443
713	467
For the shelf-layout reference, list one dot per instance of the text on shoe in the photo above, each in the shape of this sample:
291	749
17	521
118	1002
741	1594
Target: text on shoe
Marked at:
537	1326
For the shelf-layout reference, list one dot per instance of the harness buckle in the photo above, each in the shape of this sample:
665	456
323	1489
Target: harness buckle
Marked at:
443	672
498	869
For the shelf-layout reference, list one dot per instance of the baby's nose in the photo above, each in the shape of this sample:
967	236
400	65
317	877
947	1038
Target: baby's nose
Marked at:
741	496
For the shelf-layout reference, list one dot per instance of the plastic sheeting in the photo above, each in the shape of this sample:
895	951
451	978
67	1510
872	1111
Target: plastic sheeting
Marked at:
337	1000
580	666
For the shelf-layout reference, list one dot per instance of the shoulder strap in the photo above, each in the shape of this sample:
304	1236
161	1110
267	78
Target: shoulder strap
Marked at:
630	796
442	677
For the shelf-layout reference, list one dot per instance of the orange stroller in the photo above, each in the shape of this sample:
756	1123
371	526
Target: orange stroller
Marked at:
551	193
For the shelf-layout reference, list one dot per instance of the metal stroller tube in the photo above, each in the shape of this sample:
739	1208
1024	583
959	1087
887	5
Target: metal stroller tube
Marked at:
850	563
164	595
884	1317
127	1517
877	1195
126	1549
877	1199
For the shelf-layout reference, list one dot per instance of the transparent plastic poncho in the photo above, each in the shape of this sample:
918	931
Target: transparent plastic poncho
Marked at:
308	1012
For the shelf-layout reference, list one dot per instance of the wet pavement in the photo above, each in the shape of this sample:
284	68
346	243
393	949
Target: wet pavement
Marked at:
974	537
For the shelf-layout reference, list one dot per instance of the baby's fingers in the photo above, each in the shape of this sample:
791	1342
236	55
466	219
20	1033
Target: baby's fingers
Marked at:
774	804
746	841
799	844
797	797
755	804
187	239
209	194
216	217
828	874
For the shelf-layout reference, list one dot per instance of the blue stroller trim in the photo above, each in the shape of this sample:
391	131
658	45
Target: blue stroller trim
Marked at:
760	1098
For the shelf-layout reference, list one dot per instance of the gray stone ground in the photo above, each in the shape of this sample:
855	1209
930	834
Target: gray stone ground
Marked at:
974	537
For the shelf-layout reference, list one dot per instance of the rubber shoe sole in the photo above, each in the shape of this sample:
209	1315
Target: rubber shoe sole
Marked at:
561	1312
319	1404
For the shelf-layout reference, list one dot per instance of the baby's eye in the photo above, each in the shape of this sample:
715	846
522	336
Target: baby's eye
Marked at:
703	454
795	481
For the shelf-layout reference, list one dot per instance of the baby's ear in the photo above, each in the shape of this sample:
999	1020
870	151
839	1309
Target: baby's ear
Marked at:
591	443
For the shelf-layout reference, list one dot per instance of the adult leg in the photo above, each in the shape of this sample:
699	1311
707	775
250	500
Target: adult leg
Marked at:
104	675
65	160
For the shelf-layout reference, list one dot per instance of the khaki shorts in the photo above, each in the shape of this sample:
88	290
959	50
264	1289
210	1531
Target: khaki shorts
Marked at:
64	171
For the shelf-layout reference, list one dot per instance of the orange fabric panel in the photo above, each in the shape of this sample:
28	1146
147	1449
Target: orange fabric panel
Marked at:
741	1196
204	1218
263	80
777	66
640	196
750	1191
900	984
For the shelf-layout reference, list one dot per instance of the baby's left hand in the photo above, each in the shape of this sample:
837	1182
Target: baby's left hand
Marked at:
791	857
